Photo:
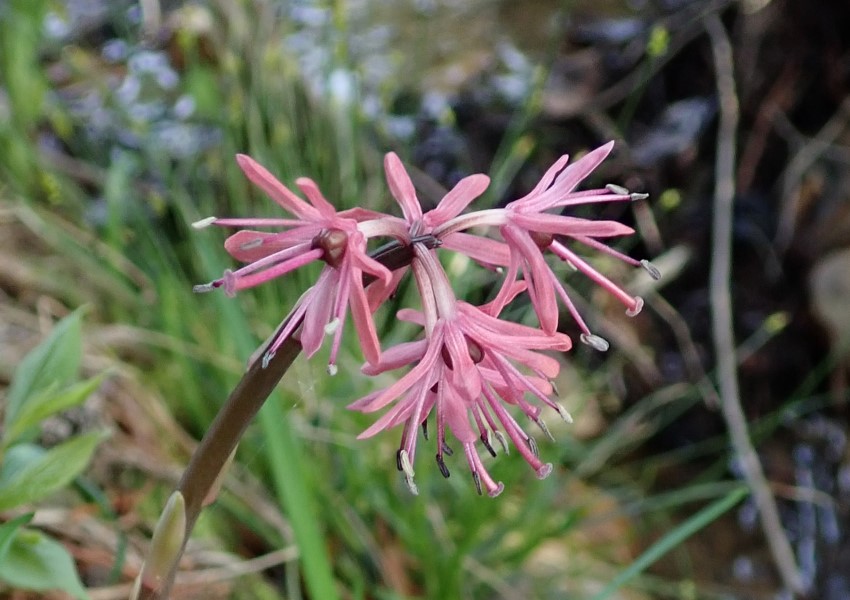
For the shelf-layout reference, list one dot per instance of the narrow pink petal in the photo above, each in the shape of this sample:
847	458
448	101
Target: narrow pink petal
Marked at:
545	181
535	269
245	277
453	408
506	292
402	188
464	374
566	181
257	222
248	246
314	195
559	224
363	262
480	249
402	354
513	289
411	407
278	192
453	203
378	291
397	414
343	295
410	315
580	169
423	370
361	214
501	334
319	311
361	315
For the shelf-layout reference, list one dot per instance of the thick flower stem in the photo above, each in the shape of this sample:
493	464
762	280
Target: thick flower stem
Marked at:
246	399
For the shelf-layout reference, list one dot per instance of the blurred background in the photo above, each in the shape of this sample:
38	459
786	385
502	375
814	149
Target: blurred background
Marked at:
119	121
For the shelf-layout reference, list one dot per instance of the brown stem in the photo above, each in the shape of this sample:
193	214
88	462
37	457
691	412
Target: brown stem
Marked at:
246	399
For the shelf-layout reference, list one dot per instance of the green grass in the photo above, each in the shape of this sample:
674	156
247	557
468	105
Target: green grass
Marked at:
359	532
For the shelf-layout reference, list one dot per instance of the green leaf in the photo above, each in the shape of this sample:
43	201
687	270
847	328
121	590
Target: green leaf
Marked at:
36	562
41	475
55	361
7	532
48	402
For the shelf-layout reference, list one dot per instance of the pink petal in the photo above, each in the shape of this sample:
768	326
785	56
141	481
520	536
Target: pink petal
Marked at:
278	192
453	203
546	180
248	246
559	224
378	291
483	250
457	416
396	357
566	181
361	315
318	312
410	315
424	370
258	272
535	269
402	188
314	195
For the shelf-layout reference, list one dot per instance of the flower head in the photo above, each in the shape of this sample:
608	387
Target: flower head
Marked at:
470	367
529	232
318	232
466	369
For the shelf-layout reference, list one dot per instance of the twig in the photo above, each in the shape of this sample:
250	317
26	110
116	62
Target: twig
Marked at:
721	305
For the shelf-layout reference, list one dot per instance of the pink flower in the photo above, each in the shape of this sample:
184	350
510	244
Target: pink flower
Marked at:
318	232
466	369
470	366
529	231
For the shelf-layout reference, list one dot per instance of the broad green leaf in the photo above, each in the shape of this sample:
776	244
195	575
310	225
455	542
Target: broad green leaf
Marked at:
55	361
49	472
36	562
7	532
16	459
49	402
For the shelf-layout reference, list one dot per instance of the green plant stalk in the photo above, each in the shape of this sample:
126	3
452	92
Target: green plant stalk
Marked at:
220	440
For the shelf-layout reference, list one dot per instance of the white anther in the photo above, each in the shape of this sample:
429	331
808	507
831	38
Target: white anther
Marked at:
595	342
565	414
332	369
617	189
203	288
650	268
204	222
407	469
332	326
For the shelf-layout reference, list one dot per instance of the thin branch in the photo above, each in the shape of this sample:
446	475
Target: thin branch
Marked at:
721	306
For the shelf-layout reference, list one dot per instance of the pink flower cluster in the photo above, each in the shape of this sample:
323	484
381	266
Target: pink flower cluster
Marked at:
469	365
